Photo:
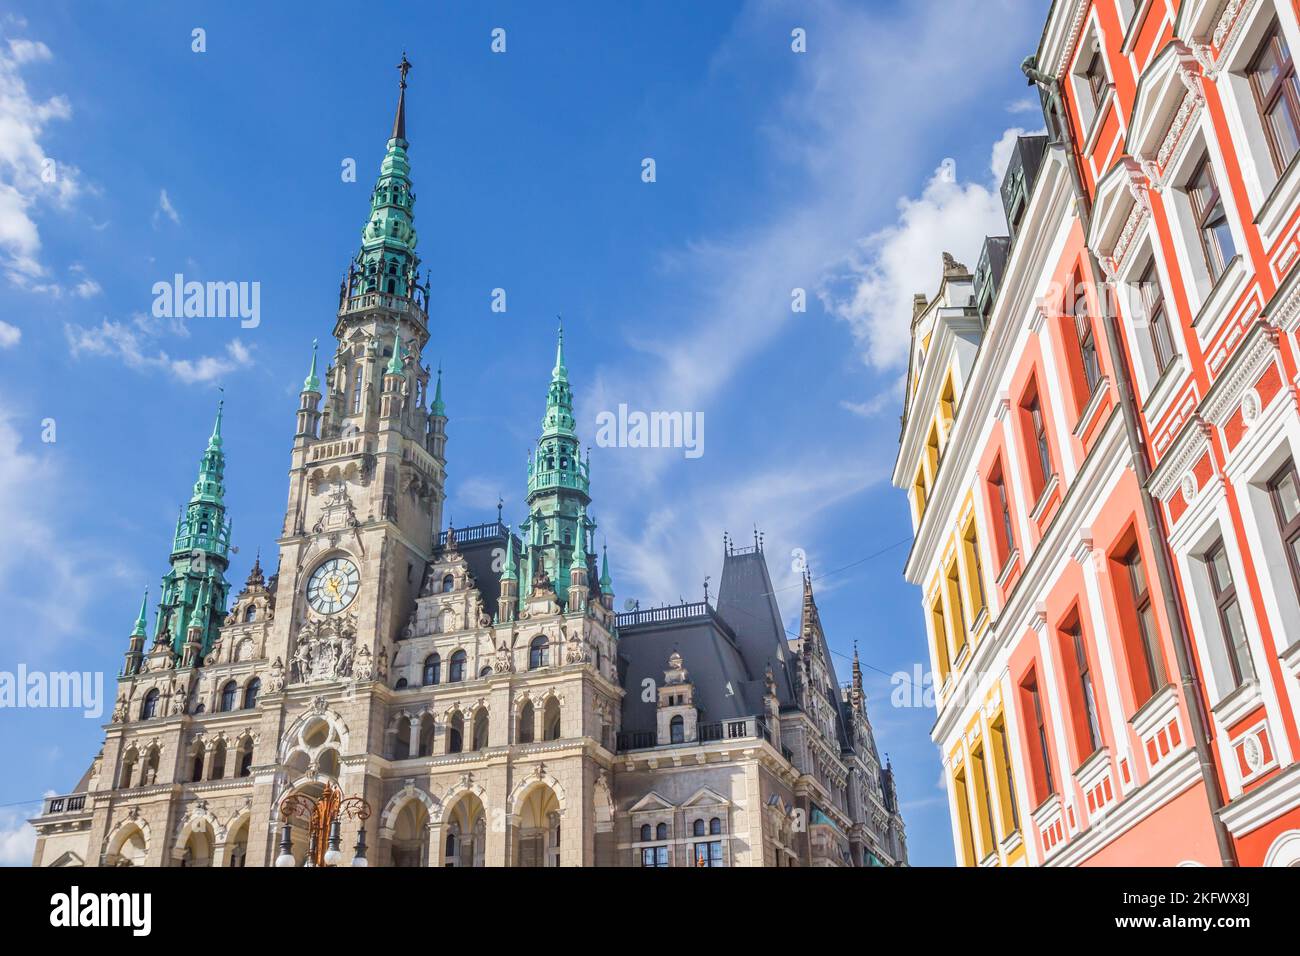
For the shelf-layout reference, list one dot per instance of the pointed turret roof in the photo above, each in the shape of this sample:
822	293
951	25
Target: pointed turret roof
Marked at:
312	382
395	363
141	624
439	408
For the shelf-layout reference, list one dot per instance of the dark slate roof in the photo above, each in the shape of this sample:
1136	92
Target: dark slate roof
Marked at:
747	604
724	688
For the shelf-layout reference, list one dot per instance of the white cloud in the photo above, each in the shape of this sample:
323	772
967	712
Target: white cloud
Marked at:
1026	104
165	208
17	836
890	266
663	551
134	345
55	589
28	175
480	493
10	335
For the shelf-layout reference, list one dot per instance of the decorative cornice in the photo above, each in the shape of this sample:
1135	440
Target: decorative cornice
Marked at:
1071	39
1192	442
1241	372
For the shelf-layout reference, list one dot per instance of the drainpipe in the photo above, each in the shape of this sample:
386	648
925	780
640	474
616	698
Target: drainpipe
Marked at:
1174	610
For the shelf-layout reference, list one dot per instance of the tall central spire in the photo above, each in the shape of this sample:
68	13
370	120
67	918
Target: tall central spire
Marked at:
387	261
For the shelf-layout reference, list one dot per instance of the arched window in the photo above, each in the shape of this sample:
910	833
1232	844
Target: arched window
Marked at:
551	720
228	695
480	730
250	614
715	826
128	767
218	761
526	720
448	584
149	709
199	707
246	757
646	835
661	832
677	730
149	772
250	693
196	773
457	672
539	652
432	670
455	734
401	684
697	828
485	670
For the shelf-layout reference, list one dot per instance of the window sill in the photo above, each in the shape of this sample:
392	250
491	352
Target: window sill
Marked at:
1276	209
1237	704
1012	842
1155	713
1156	402
1007	568
1098	121
1222	295
1044	499
1131	29
1090	409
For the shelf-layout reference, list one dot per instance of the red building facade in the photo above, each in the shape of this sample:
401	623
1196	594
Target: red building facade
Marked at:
1100	442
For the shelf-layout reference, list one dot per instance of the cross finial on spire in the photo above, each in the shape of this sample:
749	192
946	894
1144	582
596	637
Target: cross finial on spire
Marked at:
399	121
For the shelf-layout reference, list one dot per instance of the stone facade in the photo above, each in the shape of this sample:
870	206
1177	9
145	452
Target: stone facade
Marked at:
471	685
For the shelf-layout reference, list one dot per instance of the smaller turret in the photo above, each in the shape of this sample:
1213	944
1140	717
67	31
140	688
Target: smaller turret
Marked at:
577	596
508	600
309	402
135	646
606	583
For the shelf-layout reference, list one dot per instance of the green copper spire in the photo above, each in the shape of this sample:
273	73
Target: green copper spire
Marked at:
195	588
387	260
605	581
511	572
141	624
438	407
215	440
560	372
395	363
312	382
558	484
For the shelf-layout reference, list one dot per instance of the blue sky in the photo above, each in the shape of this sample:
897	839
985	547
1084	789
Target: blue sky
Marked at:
823	171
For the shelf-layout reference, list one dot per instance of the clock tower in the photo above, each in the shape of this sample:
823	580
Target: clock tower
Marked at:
368	466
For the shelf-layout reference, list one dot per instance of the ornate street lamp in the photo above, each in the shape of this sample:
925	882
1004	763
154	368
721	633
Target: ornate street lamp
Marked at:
323	816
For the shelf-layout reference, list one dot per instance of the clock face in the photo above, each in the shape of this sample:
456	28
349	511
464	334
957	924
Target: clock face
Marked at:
333	585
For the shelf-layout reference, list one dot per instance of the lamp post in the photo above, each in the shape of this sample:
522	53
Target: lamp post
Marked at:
323	816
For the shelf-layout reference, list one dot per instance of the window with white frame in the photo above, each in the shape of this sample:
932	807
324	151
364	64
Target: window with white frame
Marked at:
1206	236
1152	324
1231	625
1090	77
1261	96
